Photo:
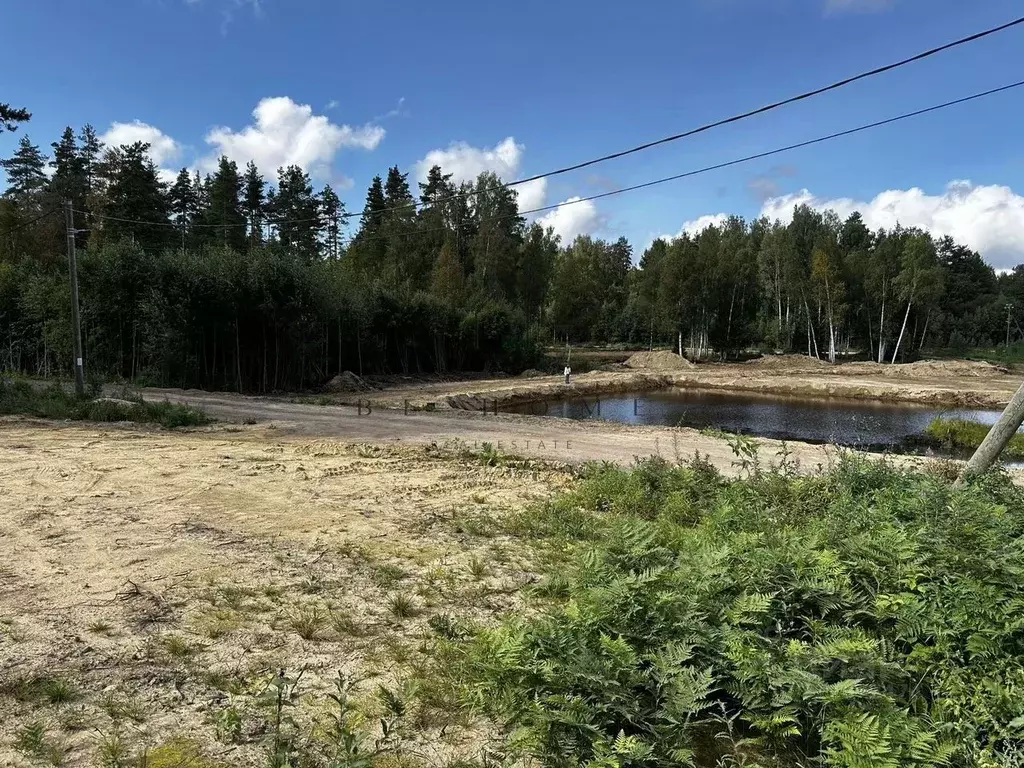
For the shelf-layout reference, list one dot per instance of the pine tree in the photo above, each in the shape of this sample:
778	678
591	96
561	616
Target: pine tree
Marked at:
201	190
11	116
136	202
400	255
295	211
227	225
183	203
254	202
437	188
434	221
26	177
331	212
90	150
397	195
68	181
373	212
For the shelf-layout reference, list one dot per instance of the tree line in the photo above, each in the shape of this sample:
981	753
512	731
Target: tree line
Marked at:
228	281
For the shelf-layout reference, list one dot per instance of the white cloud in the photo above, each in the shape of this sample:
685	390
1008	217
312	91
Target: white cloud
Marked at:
398	110
162	148
696	226
287	133
989	219
466	162
572	217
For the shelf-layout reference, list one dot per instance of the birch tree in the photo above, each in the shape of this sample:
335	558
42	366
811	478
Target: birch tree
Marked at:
919	277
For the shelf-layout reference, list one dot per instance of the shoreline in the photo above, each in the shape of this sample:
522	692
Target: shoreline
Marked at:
956	385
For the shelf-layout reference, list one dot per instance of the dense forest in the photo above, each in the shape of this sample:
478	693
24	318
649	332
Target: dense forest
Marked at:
230	281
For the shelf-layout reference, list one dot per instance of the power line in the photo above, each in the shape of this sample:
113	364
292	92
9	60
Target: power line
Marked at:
32	221
775	105
744	115
176	225
746	159
685	134
674	177
789	148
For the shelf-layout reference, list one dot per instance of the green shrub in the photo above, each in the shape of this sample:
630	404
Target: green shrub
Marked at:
964	436
865	617
55	402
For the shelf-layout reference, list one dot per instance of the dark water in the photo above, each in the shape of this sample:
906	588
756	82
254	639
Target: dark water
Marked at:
853	423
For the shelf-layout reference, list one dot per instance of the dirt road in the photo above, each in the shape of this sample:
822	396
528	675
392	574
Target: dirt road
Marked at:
552	439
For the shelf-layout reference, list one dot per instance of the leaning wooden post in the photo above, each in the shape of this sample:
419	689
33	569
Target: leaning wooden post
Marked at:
997	438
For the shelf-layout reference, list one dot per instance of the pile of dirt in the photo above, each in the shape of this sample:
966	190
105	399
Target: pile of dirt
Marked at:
346	381
925	369
939	368
792	363
658	361
531	373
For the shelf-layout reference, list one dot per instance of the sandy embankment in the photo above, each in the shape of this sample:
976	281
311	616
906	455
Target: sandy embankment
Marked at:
941	383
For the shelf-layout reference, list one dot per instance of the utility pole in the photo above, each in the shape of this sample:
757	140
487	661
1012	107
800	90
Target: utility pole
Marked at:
1009	307
76	326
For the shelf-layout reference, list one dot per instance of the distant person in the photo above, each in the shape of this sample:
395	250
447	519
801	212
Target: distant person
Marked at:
568	372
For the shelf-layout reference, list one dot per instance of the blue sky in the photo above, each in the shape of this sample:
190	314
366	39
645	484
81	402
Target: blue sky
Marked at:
348	89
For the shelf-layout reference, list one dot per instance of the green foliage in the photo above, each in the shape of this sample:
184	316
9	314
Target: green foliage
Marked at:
964	436
55	402
865	617
402	606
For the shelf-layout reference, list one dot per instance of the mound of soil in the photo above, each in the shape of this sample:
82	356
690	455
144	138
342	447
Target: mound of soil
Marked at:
346	381
789	363
658	361
531	373
930	368
926	369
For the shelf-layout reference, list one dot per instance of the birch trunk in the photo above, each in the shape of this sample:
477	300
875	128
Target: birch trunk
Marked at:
906	317
881	333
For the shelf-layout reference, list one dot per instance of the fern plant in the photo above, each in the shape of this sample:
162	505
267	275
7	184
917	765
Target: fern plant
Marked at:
866	617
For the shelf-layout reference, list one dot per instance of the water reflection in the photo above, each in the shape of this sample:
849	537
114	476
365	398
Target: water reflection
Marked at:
844	422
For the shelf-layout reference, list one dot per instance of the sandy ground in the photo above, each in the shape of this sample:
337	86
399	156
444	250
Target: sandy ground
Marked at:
432	413
156	580
547	438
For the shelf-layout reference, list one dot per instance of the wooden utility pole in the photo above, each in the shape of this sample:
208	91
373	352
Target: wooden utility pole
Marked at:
997	438
76	327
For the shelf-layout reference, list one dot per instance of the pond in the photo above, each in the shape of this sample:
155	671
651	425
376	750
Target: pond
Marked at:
853	423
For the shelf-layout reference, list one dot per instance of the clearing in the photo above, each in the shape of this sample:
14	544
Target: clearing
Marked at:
154	581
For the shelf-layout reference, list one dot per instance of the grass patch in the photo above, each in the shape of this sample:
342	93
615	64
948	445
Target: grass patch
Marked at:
100	627
963	436
33	741
387	575
177	647
179	753
402	606
54	402
59	691
866	616
307	622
